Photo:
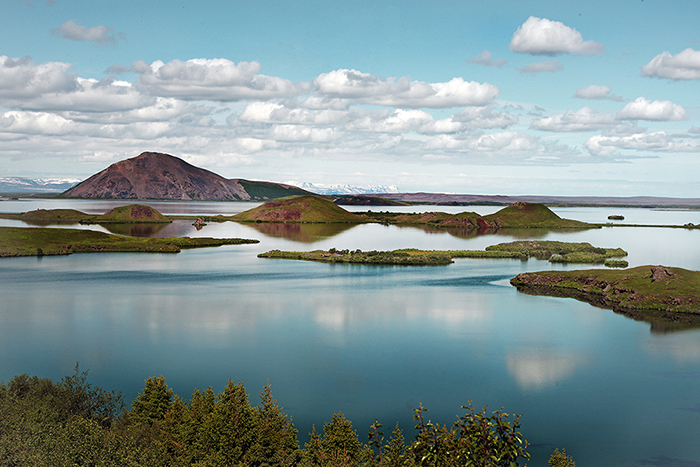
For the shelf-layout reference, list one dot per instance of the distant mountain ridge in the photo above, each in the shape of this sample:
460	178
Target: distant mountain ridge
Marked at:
464	200
35	185
153	175
344	189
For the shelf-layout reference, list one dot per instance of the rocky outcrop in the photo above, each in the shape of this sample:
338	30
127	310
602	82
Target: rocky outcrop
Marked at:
644	292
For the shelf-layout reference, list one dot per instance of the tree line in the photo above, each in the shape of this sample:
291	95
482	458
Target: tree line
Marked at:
72	423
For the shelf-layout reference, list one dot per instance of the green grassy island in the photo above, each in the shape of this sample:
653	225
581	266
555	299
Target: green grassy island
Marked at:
556	252
314	209
130	214
30	241
644	292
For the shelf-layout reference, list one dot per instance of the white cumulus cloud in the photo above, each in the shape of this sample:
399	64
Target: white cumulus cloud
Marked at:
584	119
684	65
27	85
540	36
369	89
658	142
75	32
484	117
213	79
23	78
595	91
643	109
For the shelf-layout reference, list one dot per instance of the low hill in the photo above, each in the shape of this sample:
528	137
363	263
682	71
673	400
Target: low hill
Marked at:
56	215
154	175
130	214
529	215
303	209
517	215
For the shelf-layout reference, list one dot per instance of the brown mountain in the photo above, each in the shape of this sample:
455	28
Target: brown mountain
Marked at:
153	175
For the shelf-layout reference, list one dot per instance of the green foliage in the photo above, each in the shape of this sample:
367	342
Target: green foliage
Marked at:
153	403
475	439
560	459
340	444
72	423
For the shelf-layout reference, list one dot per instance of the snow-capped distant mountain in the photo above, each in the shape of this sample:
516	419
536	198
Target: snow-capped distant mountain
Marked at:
322	189
36	185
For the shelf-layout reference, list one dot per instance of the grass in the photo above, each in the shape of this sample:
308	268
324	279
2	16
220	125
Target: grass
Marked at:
554	251
531	215
298	209
28	241
130	214
395	257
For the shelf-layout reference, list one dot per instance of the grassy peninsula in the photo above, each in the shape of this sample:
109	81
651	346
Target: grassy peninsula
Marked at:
555	252
130	214
644	292
30	241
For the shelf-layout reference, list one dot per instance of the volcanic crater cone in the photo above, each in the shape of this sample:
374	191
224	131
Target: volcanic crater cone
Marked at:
153	175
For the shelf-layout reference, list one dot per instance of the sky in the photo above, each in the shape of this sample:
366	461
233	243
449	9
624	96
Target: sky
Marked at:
595	98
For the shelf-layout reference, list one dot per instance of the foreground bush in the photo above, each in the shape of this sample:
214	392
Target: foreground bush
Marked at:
72	423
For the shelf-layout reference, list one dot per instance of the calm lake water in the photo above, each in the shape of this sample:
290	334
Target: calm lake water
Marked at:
370	341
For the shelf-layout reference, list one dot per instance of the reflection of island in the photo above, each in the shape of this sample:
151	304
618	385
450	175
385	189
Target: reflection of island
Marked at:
303	233
669	298
135	230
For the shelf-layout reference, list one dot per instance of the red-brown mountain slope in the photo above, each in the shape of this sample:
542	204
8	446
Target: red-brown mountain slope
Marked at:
153	175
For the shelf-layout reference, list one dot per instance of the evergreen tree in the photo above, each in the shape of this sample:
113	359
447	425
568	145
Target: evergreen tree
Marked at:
313	455
275	441
395	451
232	425
153	403
340	444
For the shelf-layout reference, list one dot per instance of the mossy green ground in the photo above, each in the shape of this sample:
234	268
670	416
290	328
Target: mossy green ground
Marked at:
395	257
559	252
650	290
27	241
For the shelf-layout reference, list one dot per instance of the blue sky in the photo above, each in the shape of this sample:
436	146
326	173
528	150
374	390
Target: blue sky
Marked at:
510	97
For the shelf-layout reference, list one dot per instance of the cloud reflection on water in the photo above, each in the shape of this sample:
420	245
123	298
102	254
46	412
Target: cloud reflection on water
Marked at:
537	371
